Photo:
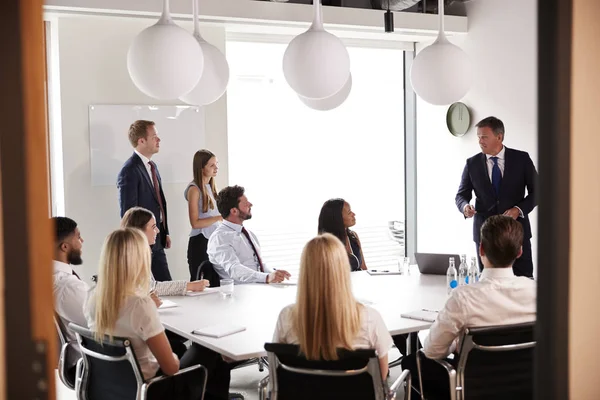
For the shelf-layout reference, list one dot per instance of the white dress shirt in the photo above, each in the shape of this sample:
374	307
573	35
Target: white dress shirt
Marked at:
499	298
146	162
69	296
232	255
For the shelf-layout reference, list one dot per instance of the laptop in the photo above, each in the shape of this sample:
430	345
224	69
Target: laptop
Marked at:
435	264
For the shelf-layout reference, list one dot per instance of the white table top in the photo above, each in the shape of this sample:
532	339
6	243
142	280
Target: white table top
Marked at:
257	306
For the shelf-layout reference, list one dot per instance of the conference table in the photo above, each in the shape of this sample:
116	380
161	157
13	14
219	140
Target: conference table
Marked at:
257	306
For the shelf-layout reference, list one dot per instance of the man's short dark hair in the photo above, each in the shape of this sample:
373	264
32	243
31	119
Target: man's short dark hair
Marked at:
64	227
501	240
493	123
229	198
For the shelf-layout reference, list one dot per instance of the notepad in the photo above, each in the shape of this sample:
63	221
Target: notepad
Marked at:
421	315
219	331
287	282
209	290
382	272
167	304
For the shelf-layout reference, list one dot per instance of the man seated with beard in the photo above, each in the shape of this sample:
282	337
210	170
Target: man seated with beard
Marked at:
233	250
69	291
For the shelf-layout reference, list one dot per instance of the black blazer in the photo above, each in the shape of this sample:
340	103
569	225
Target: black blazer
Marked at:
136	189
519	173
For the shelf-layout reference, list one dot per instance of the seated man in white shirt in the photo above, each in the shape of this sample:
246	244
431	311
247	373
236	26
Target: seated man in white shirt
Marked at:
499	298
70	292
232	249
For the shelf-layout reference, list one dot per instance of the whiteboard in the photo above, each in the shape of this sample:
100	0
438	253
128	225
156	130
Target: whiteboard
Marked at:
181	132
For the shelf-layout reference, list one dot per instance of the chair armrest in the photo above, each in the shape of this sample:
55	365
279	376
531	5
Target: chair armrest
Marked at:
404	377
449	368
180	372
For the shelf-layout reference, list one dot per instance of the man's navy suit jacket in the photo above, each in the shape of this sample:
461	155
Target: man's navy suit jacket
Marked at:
136	189
519	174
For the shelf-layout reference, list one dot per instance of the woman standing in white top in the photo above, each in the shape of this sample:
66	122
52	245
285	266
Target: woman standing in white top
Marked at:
202	208
326	315
120	305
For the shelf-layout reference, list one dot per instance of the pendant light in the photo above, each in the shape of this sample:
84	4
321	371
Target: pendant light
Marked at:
329	103
215	76
316	63
164	60
441	72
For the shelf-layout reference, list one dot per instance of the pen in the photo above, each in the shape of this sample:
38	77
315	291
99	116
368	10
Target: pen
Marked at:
201	275
424	309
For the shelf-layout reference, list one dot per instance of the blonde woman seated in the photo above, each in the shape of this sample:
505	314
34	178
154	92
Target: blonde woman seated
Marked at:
120	305
143	219
326	315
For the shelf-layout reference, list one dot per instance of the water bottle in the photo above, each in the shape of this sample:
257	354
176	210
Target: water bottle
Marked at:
451	282
462	271
473	275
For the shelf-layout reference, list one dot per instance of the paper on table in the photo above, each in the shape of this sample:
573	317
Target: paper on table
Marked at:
365	301
218	331
292	281
208	290
167	304
421	315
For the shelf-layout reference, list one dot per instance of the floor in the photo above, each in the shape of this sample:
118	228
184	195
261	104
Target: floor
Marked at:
243	380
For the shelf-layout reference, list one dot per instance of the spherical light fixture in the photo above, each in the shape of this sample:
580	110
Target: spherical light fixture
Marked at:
316	63
441	72
329	103
164	60
215	76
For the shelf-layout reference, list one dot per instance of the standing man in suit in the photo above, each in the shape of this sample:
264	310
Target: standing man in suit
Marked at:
140	185
499	177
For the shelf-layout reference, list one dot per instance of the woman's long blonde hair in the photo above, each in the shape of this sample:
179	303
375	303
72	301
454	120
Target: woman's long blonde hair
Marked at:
124	270
201	158
326	315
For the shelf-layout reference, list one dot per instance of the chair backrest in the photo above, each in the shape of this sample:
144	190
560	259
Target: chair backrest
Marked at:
111	370
355	375
207	271
497	362
67	356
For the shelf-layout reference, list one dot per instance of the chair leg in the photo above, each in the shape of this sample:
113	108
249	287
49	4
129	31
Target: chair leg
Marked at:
418	356
262	363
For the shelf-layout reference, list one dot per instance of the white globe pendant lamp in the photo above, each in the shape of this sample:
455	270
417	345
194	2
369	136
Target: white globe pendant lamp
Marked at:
164	60
441	72
215	76
331	102
316	63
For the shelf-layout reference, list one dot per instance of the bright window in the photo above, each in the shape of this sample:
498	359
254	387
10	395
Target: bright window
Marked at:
291	158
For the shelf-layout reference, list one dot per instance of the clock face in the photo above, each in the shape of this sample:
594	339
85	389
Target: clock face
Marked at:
458	119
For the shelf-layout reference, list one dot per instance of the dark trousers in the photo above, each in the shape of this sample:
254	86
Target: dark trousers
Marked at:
523	265
160	267
188	387
400	342
196	254
436	383
177	343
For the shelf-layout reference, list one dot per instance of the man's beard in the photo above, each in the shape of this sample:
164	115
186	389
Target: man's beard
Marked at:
74	258
244	216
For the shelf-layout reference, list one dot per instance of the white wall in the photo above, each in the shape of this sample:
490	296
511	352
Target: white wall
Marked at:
93	70
502	46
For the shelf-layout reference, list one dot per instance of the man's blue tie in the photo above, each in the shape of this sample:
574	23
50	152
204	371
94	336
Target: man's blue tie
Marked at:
496	176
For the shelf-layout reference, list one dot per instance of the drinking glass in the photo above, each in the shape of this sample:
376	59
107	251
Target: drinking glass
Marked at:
226	288
406	266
